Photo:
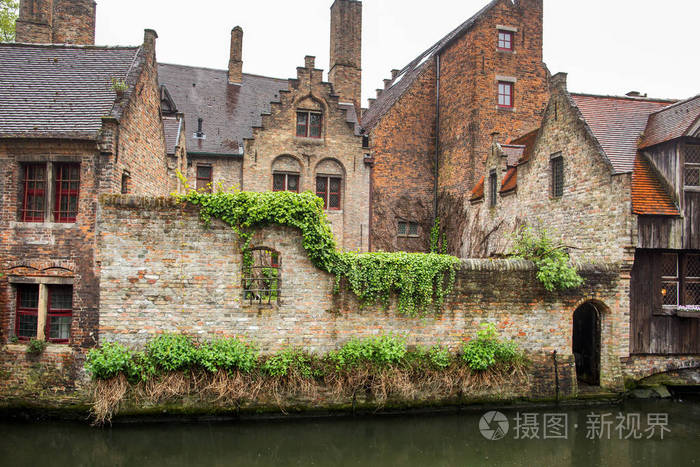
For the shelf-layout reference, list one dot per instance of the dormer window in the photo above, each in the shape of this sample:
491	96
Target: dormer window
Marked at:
505	40
309	124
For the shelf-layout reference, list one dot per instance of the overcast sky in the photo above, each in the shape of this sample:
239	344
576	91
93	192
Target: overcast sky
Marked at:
606	46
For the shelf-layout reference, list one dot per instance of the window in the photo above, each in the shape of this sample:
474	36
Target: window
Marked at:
309	124
328	189
505	40
680	279
45	199
493	187
34	193
58	312
261	284
204	178
285	182
67	190
505	94
408	229
692	166
365	141
126	181
557	167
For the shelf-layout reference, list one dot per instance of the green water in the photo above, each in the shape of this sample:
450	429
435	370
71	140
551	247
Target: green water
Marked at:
447	440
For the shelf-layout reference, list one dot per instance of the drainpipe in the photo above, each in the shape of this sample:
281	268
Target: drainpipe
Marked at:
437	139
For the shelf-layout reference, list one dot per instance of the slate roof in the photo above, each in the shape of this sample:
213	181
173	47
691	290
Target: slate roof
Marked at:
618	123
648	195
229	112
410	72
62	91
672	122
172	127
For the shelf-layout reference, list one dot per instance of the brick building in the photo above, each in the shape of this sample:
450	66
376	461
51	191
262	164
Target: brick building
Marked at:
616	179
76	121
430	125
259	133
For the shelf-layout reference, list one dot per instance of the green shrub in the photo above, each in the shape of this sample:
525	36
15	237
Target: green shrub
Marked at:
554	270
227	354
171	352
36	347
288	361
487	349
111	359
439	357
380	351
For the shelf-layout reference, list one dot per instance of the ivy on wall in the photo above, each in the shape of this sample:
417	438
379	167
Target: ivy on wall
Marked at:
421	281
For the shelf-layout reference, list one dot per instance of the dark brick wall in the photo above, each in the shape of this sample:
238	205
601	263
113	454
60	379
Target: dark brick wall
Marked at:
56	22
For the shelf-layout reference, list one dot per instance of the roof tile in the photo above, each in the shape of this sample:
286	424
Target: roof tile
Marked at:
672	122
648	194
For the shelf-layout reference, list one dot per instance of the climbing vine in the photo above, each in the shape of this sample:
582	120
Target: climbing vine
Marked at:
421	281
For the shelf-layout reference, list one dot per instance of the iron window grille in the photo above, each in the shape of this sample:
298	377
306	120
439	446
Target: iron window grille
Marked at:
680	279
691	174
505	94
505	40
34	193
309	124
557	169
261	283
204	178
328	189
67	192
493	188
285	182
407	229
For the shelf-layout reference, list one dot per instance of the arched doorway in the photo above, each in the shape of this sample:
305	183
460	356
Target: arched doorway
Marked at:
586	343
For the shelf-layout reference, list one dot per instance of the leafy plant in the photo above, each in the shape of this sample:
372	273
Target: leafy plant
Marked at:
14	339
439	357
227	354
119	85
554	269
110	360
288	361
380	351
438	243
487	349
171	352
8	17
36	347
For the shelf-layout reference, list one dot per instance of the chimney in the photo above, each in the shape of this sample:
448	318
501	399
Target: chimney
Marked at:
149	44
74	22
345	71
34	22
558	81
310	62
235	64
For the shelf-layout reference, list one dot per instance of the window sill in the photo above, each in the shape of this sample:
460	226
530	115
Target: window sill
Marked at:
260	307
677	311
307	140
51	348
506	51
51	225
506	109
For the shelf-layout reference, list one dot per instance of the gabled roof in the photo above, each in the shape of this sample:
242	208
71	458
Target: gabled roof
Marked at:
510	180
675	121
408	74
618	123
648	195
528	140
229	112
62	91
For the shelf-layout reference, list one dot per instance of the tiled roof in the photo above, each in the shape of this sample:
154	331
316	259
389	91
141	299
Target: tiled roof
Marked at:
527	140
172	127
648	195
60	91
229	112
510	181
617	123
410	72
478	191
673	122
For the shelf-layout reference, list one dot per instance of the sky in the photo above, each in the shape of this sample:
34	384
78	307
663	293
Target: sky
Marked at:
606	46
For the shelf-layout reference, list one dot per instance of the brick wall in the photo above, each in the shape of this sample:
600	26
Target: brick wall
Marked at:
345	71
226	171
56	22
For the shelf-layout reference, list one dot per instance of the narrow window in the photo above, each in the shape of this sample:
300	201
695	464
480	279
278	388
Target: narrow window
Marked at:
126	181
505	40
669	279
27	312
285	182
204	178
309	124
691	286
557	167
328	189
692	166
365	141
67	192
34	192
493	187
60	313
407	229
505	94
261	284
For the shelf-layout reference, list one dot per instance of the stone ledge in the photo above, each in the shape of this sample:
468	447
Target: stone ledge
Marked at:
140	202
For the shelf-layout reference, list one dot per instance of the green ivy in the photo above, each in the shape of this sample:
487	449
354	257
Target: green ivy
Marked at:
554	269
421	281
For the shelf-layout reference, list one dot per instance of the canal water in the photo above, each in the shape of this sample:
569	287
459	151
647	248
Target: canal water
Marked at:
648	433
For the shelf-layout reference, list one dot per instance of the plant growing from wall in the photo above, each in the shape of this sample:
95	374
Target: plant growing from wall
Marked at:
554	269
119	86
421	281
8	17
487	350
36	347
438	243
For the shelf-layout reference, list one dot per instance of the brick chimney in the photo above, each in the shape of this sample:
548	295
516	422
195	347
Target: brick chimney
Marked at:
345	71
235	63
56	22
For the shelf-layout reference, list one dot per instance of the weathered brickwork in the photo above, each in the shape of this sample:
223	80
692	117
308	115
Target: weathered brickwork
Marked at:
345	72
403	174
338	152
226	171
56	22
163	271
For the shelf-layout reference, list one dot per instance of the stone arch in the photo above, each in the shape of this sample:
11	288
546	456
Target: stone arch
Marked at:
590	340
311	102
286	163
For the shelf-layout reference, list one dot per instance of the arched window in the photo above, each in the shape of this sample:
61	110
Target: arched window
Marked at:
261	283
329	184
286	172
